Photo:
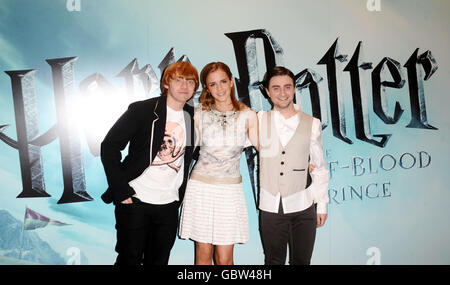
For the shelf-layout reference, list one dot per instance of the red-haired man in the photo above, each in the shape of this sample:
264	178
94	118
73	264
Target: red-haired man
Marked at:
148	186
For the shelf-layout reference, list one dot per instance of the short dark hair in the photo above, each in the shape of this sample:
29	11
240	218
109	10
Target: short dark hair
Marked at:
277	71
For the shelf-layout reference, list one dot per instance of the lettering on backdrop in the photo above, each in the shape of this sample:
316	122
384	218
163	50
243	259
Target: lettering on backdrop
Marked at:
387	74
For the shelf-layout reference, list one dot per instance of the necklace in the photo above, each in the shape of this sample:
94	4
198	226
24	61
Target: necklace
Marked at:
222	118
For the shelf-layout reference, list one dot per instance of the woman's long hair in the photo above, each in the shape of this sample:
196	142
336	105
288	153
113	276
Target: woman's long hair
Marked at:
206	99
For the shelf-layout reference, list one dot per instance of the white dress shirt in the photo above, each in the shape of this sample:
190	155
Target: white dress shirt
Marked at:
317	192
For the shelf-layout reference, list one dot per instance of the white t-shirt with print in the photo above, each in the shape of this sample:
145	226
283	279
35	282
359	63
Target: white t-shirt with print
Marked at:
159	183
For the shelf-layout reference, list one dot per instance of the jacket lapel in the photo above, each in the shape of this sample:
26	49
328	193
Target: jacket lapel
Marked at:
189	124
158	126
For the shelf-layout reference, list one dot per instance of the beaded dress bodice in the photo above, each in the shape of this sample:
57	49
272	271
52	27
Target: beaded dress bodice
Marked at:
223	135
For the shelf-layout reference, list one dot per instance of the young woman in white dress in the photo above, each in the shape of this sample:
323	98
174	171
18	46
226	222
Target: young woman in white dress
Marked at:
214	212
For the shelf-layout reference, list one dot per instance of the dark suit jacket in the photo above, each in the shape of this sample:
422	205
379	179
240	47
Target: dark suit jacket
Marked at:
143	126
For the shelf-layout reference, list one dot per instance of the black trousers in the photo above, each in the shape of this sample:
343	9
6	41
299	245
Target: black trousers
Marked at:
145	233
296	229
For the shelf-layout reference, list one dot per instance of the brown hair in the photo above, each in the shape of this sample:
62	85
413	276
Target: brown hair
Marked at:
277	71
206	99
179	69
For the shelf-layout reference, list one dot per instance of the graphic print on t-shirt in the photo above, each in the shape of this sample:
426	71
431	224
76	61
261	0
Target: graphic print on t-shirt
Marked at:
172	147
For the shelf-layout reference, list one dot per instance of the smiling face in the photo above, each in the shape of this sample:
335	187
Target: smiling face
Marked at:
180	89
281	91
179	82
219	86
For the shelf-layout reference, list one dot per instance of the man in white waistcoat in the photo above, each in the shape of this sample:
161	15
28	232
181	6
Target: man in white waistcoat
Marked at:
293	200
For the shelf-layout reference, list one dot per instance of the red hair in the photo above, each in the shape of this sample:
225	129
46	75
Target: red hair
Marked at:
179	69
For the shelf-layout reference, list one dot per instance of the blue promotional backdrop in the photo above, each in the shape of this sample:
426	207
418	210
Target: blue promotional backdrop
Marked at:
376	72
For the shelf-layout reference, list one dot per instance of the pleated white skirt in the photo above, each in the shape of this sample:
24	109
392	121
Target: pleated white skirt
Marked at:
214	213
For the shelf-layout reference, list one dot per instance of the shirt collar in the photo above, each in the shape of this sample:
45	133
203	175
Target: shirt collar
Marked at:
278	114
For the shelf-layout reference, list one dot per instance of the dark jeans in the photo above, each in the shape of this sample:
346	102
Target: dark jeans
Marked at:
145	232
296	229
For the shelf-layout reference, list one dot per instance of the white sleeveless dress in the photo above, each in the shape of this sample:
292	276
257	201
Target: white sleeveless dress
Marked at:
214	209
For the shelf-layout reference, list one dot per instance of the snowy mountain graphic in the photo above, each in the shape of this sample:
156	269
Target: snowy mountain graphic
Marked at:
34	249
